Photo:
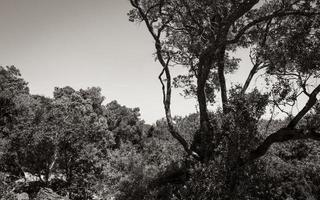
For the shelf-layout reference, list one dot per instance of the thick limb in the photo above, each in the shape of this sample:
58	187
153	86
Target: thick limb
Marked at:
289	132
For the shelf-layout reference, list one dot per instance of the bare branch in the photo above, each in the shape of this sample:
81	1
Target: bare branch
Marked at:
166	88
310	103
163	87
303	84
135	4
167	102
257	63
253	71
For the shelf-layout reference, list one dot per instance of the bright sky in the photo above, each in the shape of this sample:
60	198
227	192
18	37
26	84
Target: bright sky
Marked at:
85	43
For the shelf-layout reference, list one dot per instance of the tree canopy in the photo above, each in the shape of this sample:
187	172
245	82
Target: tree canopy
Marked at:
283	38
77	145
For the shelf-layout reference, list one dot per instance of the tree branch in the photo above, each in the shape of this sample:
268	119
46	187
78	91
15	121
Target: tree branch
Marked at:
241	9
310	103
166	89
256	64
288	133
52	164
266	18
167	102
222	80
250	76
283	135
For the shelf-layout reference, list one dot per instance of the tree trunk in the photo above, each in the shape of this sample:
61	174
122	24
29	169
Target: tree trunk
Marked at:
52	164
203	138
222	79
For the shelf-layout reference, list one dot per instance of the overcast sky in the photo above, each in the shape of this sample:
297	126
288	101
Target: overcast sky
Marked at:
85	43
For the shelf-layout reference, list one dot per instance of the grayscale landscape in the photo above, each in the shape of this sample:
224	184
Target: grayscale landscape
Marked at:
159	99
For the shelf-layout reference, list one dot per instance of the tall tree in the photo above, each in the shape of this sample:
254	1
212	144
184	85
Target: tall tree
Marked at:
201	35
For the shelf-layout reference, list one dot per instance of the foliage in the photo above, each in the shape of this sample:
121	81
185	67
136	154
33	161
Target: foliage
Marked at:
65	142
77	146
284	47
6	187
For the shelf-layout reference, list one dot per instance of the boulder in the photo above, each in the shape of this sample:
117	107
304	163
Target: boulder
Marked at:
22	196
49	194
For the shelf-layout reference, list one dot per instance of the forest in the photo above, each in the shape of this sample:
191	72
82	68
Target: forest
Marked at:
75	145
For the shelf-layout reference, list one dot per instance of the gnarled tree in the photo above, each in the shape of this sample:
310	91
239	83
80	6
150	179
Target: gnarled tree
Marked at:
283	38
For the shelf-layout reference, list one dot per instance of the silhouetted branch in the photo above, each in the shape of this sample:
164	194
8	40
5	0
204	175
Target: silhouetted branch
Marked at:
288	133
257	62
166	88
250	76
310	103
283	135
266	18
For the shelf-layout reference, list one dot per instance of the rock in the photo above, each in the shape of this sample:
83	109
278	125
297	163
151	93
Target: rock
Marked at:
49	194
22	196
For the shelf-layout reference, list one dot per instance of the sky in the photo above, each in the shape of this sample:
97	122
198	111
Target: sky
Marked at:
86	43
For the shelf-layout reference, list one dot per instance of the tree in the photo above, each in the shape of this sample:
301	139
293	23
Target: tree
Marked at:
69	143
60	141
78	132
283	37
12	87
14	101
124	123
